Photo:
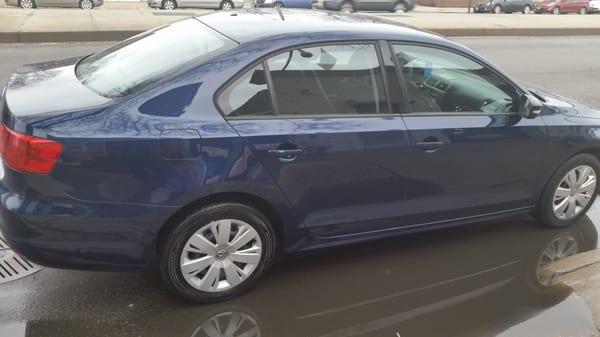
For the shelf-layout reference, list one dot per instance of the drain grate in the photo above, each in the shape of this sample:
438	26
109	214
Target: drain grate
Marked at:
12	266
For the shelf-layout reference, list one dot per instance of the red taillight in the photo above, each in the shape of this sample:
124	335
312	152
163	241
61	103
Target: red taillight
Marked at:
26	153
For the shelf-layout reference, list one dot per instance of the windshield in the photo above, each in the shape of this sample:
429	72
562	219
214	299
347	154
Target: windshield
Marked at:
145	58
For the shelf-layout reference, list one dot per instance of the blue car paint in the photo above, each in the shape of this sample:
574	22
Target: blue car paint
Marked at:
131	164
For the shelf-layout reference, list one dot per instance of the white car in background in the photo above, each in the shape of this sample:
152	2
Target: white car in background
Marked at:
594	6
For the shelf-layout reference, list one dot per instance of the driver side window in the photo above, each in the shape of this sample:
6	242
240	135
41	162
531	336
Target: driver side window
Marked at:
442	81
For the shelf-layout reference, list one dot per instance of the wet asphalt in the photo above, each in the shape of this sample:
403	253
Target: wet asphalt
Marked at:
474	280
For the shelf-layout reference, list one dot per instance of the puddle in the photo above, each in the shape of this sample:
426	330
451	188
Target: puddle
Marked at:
476	280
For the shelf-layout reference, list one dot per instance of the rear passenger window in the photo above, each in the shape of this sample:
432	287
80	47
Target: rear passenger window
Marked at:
247	96
339	79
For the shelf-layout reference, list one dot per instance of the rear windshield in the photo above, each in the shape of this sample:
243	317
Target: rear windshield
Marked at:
136	62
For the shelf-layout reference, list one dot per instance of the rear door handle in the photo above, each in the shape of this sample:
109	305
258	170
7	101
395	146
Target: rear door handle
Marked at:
285	155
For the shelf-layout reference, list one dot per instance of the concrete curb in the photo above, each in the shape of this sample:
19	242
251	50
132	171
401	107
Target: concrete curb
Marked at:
117	35
574	263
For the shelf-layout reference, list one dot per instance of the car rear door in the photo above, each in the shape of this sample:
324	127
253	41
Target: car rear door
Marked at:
471	153
329	140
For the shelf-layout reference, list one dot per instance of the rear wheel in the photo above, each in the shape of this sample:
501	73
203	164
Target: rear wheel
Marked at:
278	4
27	4
583	11
217	252
571	191
169	5
556	11
347	7
497	9
527	9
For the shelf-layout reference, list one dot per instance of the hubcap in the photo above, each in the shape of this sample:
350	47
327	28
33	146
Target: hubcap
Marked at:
86	4
560	248
229	323
574	192
527	10
170	5
221	255
27	4
227	5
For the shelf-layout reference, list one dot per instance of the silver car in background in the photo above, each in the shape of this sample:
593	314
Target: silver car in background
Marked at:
212	4
28	4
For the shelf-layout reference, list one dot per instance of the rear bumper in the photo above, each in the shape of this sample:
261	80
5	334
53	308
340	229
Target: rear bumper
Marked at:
73	234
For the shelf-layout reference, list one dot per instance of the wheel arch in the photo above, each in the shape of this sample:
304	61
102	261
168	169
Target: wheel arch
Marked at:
257	202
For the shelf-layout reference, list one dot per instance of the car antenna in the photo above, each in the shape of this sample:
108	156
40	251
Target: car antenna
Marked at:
278	9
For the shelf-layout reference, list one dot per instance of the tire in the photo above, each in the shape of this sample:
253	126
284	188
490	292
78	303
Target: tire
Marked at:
278	4
169	5
27	4
347	7
226	5
497	9
550	211
583	11
556	11
399	7
86	4
208	281
527	9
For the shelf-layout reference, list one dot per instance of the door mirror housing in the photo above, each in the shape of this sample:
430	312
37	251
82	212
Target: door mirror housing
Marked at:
530	106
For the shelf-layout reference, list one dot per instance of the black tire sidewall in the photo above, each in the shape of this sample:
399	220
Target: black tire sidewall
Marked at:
171	251
545	212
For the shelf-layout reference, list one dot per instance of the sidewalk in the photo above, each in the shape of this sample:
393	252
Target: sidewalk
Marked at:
118	20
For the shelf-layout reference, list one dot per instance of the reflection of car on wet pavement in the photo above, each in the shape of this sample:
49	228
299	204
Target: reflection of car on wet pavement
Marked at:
244	148
478	281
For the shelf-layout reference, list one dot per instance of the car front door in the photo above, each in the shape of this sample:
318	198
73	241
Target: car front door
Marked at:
329	142
471	154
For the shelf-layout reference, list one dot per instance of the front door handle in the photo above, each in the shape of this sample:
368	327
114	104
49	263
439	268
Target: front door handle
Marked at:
285	155
430	144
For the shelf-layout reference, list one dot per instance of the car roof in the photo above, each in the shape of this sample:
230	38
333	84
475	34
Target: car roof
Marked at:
255	24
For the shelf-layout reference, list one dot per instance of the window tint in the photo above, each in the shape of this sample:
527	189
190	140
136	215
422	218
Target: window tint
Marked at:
145	58
328	80
442	81
248	96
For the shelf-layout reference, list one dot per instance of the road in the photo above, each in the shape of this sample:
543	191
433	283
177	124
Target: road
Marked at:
566	65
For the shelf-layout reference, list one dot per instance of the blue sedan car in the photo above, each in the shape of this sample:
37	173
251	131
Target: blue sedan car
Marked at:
268	132
284	3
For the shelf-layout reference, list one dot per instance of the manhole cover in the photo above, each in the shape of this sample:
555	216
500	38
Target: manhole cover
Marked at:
12	266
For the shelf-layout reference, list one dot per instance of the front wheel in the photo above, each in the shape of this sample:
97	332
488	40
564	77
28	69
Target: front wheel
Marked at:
583	11
347	7
497	9
399	7
226	5
217	252
27	4
556	11
571	191
86	4
527	9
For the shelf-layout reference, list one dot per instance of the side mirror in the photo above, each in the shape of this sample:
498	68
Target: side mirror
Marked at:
530	106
